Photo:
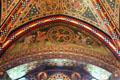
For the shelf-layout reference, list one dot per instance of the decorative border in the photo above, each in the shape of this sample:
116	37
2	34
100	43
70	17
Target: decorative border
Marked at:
94	31
55	55
100	9
81	52
114	32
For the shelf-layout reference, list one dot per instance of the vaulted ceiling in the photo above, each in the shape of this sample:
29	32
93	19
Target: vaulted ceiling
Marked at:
99	13
102	14
99	20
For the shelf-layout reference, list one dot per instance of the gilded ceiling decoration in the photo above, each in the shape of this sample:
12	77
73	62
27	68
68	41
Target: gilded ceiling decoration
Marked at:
7	6
60	39
60	34
94	12
59	76
66	42
111	4
112	7
102	36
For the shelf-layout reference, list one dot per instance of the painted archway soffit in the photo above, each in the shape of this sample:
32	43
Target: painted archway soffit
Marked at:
72	42
112	10
80	24
17	12
90	11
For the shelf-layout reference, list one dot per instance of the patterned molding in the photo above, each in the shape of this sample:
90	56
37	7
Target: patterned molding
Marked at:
100	35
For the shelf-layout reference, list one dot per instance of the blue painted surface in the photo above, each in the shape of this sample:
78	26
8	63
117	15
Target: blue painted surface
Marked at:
59	79
24	78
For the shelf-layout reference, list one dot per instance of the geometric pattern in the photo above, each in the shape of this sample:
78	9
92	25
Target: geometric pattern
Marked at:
109	12
9	2
76	9
6	8
98	34
88	14
22	11
59	76
111	4
33	11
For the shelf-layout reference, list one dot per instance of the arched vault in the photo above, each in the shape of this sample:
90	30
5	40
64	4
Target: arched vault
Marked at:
79	30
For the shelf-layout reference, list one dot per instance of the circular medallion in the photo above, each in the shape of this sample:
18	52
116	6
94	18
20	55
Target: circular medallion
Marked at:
60	34
59	76
76	6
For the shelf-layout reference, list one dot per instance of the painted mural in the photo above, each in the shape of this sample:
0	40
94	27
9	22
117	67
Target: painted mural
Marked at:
59	40
88	11
69	7
59	34
29	10
59	37
62	41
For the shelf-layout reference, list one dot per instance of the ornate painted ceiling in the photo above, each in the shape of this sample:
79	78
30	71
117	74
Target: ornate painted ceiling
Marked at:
103	14
59	40
81	30
66	71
